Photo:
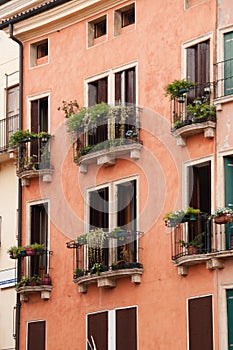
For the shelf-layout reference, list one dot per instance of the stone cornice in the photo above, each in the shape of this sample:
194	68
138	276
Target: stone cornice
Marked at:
60	17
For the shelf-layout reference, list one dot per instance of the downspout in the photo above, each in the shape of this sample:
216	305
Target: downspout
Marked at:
19	269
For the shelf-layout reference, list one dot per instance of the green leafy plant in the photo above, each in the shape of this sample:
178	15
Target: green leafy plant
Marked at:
195	243
78	272
21	136
23	282
97	268
178	88
201	111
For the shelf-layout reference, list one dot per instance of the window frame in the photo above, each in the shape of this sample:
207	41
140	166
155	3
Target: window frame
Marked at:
92	38
110	75
28	227
35	98
112	219
220	58
36	61
187	315
194	42
112	325
27	335
118	19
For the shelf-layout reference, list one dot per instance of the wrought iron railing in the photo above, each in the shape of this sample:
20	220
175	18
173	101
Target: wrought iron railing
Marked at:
207	236
121	127
121	252
33	155
192	106
8	126
224	78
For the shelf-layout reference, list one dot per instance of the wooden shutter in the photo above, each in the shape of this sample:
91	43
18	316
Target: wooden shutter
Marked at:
126	329
99	210
230	318
36	335
102	91
118	96
130	91
12	121
98	329
34	116
43	115
200	323
228	63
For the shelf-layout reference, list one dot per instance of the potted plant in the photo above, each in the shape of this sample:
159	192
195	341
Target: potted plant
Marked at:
178	88
23	282
46	279
78	273
174	218
38	248
201	111
97	268
192	213
13	252
193	246
29	250
223	215
35	280
21	136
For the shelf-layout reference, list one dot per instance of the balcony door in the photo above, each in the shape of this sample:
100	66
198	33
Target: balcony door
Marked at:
200	198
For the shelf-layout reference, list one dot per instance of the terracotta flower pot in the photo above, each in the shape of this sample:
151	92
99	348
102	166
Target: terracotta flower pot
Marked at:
224	219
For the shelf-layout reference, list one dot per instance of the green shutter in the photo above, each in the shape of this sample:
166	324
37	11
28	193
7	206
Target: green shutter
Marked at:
228	167
228	63
230	318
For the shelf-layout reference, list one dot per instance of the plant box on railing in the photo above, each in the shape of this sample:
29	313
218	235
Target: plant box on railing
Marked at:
223	215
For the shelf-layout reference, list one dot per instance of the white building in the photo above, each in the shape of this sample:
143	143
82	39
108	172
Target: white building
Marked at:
9	122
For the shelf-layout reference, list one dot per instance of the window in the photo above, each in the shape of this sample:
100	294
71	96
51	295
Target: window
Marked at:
228	63
125	87
39	234
39	123
113	330
123	216
199	197
36	334
96	29
39	53
98	91
198	68
229	297
12	121
124	17
200	323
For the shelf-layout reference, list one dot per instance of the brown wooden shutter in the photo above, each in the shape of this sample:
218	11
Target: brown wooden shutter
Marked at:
36	335
34	116
200	323
126	329
203	64
130	86
102	91
118	97
98	329
99	208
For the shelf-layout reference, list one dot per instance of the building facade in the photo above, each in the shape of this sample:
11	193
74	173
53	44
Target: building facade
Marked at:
125	157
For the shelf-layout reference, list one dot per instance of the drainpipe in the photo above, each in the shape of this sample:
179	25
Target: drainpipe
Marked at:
19	269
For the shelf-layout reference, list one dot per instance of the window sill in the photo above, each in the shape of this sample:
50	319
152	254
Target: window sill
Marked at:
27	175
44	291
108	157
183	132
213	261
108	279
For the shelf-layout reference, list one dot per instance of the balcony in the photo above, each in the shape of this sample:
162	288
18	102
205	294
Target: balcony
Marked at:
7	128
212	243
117	258
192	113
33	156
101	134
35	273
